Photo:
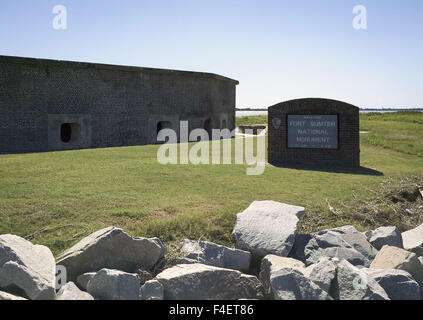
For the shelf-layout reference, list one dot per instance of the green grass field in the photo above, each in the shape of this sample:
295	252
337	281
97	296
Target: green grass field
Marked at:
402	131
251	120
57	198
399	131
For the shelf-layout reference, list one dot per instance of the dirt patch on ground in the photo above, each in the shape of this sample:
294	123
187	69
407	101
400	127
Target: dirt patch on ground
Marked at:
396	203
410	194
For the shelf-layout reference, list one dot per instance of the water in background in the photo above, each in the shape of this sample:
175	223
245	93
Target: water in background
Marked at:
264	112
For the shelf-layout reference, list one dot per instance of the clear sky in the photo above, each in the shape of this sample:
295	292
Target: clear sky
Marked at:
277	49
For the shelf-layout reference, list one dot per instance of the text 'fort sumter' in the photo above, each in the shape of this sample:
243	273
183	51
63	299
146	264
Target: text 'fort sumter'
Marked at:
312	131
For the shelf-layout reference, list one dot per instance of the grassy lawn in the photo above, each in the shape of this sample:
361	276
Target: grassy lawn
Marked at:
57	198
251	120
402	131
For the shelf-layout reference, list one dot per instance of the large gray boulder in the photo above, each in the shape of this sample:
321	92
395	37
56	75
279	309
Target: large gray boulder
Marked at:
203	282
216	255
344	243
110	284
27	269
272	264
382	236
152	290
298	250
291	284
267	227
397	258
111	248
398	284
322	273
413	240
71	292
4	296
352	283
83	279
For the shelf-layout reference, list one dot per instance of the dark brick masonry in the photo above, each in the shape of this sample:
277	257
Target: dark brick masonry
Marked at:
346	156
59	105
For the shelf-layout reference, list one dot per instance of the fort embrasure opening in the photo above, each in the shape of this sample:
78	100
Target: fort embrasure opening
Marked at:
70	132
163	125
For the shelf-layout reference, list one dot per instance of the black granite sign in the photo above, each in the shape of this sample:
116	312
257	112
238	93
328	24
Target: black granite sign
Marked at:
314	132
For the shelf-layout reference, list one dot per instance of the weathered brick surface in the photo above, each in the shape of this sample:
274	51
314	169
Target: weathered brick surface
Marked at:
121	105
346	156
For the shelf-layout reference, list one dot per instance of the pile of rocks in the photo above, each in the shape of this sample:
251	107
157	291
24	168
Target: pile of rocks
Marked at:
340	263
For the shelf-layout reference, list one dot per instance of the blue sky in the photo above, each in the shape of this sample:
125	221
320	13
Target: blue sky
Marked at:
277	49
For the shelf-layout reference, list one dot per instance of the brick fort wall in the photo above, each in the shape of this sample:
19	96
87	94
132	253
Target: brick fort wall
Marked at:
103	105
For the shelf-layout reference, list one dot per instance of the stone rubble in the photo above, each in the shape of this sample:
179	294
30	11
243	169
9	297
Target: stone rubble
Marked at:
352	283
291	284
26	269
344	243
267	227
71	292
4	296
152	290
272	264
111	248
397	258
413	240
83	279
215	255
398	284
382	236
334	264
203	282
110	284
322	273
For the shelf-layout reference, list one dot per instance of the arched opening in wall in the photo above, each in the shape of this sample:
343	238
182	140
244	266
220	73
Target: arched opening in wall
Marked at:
65	132
224	126
208	127
70	132
163	125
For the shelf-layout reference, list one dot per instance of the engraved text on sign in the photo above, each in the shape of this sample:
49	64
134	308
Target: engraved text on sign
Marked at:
313	131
